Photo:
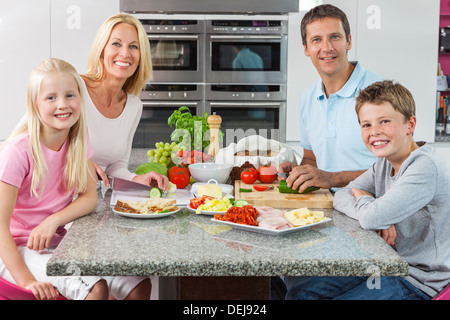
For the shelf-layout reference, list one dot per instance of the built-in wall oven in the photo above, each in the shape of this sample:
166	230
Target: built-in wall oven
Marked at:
176	45
248	109
160	101
246	50
231	65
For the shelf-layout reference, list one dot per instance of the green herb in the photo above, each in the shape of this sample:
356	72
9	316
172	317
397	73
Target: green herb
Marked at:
191	131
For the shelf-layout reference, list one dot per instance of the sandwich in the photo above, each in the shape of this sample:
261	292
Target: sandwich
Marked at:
151	205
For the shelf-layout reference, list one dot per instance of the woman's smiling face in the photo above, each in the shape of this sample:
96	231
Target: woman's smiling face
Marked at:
121	54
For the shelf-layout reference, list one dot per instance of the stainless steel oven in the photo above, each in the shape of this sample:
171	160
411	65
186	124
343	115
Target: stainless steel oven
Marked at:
176	45
160	100
248	110
246	50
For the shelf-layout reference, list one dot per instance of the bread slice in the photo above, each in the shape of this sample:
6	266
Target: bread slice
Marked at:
146	206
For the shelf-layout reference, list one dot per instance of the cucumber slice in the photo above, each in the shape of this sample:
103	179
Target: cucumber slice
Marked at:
155	193
240	203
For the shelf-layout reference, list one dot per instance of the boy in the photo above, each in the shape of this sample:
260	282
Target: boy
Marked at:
408	188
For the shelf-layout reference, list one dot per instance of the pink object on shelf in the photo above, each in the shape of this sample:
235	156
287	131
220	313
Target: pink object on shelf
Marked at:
10	291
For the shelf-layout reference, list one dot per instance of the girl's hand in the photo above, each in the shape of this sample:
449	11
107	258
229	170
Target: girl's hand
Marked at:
41	236
43	290
153	179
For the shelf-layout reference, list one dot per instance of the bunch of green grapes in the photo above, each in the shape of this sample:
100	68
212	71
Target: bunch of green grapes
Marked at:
163	153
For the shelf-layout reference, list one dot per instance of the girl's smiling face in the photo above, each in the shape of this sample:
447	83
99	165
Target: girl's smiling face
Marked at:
58	102
386	133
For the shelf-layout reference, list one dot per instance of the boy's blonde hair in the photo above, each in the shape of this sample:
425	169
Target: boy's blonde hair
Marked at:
95	71
388	91
76	166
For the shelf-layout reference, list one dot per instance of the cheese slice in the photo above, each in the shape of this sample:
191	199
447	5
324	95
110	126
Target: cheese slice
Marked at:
211	190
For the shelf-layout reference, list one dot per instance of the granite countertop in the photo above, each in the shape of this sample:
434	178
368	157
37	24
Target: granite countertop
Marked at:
187	244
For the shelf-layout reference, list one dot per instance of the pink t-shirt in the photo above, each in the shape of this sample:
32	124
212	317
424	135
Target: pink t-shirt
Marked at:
16	168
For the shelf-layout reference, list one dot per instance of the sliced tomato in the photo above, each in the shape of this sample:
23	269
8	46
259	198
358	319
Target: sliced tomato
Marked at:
260	188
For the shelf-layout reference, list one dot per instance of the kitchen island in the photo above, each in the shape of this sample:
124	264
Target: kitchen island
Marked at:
190	245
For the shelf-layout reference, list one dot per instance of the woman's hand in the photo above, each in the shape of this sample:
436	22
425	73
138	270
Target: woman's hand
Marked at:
43	290
102	174
153	179
41	236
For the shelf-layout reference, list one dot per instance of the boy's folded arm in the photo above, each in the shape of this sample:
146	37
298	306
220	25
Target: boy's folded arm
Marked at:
406	197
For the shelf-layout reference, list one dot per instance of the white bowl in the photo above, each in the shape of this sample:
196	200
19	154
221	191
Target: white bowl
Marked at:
203	172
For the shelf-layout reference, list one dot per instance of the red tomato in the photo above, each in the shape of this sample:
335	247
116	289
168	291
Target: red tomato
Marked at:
249	176
180	176
260	188
196	202
267	174
177	169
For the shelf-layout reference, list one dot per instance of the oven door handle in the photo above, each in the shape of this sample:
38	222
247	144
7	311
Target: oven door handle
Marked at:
247	37
246	104
170	36
168	103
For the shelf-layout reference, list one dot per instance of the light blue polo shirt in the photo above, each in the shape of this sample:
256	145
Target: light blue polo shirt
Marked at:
329	126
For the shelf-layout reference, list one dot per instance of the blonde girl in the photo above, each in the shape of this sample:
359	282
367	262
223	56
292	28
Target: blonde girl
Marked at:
43	166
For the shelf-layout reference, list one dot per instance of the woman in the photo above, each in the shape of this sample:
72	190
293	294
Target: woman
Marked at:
119	66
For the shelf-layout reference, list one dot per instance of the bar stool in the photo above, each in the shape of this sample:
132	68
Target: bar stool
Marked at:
444	294
10	291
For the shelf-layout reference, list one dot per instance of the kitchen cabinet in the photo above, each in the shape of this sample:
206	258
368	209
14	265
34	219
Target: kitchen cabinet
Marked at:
25	39
395	39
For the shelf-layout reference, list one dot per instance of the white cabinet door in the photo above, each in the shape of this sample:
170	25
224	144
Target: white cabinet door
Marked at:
399	41
74	24
25	42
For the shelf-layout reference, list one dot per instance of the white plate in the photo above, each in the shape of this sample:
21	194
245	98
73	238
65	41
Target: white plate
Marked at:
146	216
267	230
208	213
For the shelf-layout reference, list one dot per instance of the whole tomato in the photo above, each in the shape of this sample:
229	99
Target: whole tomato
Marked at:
267	174
249	176
179	175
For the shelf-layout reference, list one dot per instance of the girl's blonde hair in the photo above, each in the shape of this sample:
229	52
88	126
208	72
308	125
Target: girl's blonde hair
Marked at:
95	71
76	166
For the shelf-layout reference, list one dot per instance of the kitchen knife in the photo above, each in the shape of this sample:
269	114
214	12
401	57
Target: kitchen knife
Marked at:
283	175
123	185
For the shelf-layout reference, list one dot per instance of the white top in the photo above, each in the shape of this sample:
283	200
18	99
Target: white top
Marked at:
112	139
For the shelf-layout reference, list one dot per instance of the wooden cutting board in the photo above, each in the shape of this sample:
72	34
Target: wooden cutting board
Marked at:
321	198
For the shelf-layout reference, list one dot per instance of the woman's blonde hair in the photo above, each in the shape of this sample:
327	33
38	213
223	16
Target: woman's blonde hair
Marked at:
95	71
76	166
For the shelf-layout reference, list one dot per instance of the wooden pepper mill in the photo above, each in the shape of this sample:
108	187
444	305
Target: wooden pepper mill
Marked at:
214	122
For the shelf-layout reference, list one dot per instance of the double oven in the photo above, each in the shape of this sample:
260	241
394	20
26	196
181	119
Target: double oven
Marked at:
230	65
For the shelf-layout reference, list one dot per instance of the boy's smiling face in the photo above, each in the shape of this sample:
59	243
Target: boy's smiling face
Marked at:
386	133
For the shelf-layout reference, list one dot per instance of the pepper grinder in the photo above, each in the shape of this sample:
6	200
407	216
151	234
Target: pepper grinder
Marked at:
214	122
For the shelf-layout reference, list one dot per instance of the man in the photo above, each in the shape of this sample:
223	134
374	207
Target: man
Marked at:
333	151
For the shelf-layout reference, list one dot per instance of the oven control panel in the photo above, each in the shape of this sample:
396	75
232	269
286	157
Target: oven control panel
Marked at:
247	26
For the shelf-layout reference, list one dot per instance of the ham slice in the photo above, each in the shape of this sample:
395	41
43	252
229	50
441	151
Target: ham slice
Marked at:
272	218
